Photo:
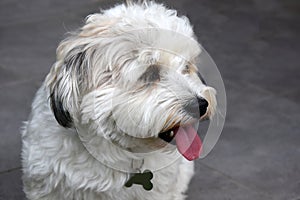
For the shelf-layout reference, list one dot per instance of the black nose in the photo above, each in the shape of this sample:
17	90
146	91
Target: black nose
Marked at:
196	107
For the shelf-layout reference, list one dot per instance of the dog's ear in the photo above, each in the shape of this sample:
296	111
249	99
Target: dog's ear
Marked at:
62	116
63	82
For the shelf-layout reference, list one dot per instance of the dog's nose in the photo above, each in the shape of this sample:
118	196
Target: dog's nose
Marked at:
196	107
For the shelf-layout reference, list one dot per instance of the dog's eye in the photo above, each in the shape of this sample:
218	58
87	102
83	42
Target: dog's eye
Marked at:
186	69
151	74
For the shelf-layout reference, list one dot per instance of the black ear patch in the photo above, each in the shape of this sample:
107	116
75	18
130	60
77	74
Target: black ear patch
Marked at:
72	74
62	116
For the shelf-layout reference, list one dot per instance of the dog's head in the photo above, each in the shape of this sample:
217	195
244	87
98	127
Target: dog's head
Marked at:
130	75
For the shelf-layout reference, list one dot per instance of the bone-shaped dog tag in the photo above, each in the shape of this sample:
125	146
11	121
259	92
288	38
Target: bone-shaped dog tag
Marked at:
143	179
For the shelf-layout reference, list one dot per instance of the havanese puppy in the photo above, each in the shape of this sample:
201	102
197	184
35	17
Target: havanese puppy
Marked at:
103	121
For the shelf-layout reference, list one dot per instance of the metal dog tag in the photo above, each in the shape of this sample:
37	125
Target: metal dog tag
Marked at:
143	179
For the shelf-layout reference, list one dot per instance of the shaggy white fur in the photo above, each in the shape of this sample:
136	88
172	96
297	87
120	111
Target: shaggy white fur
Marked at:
127	77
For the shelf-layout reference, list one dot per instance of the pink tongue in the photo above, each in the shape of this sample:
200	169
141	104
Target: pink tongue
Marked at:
188	142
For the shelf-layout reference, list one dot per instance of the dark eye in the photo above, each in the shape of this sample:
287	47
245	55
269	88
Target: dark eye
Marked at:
151	74
186	69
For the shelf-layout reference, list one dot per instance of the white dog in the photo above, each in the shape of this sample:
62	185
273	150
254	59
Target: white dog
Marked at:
122	87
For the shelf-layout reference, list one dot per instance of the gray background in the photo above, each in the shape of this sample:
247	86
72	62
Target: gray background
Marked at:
255	44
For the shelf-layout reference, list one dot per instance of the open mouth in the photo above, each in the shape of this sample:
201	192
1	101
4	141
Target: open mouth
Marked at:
187	140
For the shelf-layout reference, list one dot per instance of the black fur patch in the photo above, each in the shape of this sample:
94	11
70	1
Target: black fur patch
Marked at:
62	116
151	74
74	62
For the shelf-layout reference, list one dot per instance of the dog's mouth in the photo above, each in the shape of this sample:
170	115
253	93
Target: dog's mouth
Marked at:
187	140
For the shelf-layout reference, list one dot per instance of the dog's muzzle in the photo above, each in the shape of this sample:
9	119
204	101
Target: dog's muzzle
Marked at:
187	140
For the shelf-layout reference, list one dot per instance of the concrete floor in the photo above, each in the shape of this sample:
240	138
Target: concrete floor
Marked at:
255	44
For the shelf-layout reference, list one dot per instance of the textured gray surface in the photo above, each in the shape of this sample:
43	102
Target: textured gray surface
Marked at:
256	47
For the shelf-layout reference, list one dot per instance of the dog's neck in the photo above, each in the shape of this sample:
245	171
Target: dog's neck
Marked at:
132	159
